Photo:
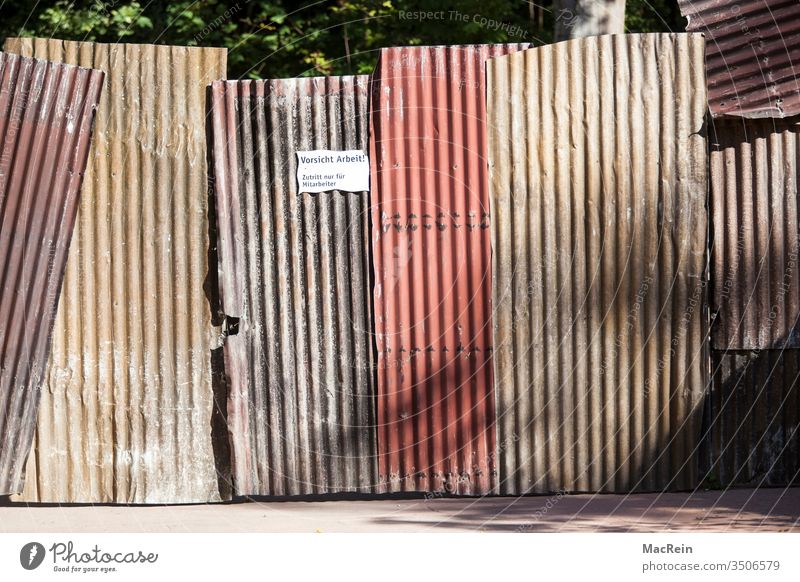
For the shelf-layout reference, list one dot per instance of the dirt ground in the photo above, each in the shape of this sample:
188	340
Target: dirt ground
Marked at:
733	510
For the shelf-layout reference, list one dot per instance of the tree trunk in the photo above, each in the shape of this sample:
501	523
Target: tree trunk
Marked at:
579	18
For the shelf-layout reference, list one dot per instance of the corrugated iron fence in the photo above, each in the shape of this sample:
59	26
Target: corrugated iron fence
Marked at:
432	256
295	284
598	187
46	115
127	397
593	367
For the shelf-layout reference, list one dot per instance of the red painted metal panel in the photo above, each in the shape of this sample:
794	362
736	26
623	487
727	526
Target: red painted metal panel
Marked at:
752	55
432	258
46	115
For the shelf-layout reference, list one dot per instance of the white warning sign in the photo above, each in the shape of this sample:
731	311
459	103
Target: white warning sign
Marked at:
324	170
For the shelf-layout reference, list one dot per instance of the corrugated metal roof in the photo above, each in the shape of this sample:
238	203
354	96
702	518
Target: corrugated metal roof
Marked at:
430	224
597	155
751	419
756	271
127	402
752	54
295	275
46	115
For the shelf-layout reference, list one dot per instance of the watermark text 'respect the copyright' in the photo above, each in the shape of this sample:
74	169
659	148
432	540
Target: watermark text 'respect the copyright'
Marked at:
456	16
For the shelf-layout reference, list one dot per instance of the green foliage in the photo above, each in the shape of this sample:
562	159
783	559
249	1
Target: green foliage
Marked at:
94	21
281	38
653	16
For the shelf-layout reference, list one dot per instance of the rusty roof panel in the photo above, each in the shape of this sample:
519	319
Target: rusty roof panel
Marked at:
432	257
46	115
751	419
752	55
127	400
597	157
755	270
295	273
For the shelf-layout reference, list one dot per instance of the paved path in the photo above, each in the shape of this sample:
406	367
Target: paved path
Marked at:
733	510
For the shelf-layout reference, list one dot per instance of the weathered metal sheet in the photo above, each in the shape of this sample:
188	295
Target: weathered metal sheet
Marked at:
127	399
752	55
597	154
756	283
430	222
46	115
295	280
751	419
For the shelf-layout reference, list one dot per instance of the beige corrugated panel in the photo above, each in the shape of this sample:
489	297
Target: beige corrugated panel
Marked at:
46	115
127	401
598	188
756	275
751	419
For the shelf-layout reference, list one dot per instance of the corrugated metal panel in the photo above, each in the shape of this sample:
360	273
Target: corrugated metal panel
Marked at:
756	278
295	274
598	156
751	419
46	115
431	244
752	54
127	400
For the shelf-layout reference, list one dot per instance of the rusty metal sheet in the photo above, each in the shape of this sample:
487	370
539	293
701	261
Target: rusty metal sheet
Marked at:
597	157
430	224
754	203
752	55
295	285
127	399
751	419
46	115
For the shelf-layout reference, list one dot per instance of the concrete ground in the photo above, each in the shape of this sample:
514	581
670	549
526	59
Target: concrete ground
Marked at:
744	510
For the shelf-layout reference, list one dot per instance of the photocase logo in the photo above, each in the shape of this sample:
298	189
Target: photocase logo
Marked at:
31	555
